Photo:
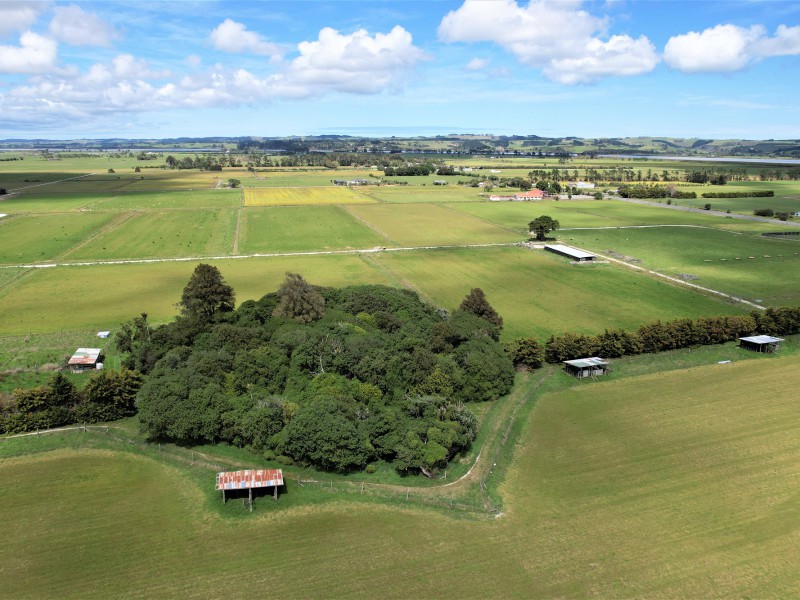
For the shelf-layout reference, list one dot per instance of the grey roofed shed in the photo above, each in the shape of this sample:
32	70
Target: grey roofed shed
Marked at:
587	367
761	343
572	253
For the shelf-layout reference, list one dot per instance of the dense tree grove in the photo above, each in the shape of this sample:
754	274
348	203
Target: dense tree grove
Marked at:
107	396
337	378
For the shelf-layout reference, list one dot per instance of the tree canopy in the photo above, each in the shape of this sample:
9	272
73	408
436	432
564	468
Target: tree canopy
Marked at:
206	293
543	225
299	300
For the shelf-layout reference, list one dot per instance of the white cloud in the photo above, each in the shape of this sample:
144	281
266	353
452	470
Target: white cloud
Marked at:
35	54
558	37
19	16
74	26
726	48
230	36
357	63
621	55
477	64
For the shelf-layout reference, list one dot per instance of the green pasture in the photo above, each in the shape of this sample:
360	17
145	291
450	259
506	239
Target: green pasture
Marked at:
302	196
29	360
402	194
29	238
664	485
41	202
588	213
184	200
429	224
720	259
165	233
786	199
540	294
57	299
305	177
300	229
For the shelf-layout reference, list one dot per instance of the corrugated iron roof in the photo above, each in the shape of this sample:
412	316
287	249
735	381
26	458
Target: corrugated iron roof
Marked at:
85	356
592	361
255	478
762	339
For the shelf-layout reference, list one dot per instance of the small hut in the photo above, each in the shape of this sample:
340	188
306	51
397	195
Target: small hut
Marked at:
592	366
233	481
761	343
85	359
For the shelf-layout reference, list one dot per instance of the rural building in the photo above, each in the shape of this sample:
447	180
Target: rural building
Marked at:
85	359
581	185
231	481
350	182
529	195
576	255
103	334
440	182
587	367
761	343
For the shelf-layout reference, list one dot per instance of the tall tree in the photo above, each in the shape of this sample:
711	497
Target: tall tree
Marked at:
206	293
477	304
543	225
299	300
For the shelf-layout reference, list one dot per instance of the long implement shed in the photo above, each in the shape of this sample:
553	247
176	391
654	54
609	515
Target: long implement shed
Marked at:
761	343
587	367
249	479
576	255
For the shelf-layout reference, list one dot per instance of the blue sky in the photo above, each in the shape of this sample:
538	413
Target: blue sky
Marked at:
594	68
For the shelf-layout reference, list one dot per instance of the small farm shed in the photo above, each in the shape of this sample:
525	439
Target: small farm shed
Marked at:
587	367
85	359
576	255
228	481
103	334
761	343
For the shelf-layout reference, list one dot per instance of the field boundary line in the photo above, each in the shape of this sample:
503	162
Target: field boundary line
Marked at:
235	245
675	279
27	187
144	261
366	223
716	213
113	224
477	218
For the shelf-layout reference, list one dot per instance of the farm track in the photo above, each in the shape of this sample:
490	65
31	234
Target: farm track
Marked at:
235	246
368	224
107	228
27	187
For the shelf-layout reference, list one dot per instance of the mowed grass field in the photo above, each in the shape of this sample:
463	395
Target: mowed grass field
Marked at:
27	238
300	229
167	233
403	194
747	265
666	485
430	224
102	296
539	294
302	196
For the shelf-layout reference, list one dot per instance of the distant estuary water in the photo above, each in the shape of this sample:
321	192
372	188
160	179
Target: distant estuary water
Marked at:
730	159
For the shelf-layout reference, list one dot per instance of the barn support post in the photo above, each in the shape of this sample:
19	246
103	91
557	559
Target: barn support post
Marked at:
251	499
275	493
224	499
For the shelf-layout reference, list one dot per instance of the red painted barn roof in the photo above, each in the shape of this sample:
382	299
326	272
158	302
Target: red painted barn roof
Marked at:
255	478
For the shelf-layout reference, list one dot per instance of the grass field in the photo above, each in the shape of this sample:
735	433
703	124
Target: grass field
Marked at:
27	239
308	196
304	177
658	486
162	233
721	260
786	199
430	224
300	228
101	297
540	294
402	194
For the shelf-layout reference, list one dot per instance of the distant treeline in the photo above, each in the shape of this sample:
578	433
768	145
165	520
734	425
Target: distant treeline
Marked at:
753	194
652	191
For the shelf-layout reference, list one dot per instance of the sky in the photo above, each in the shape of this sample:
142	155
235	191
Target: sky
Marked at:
605	68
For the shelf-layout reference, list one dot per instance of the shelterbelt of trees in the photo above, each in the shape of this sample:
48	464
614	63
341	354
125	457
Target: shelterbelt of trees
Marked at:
336	378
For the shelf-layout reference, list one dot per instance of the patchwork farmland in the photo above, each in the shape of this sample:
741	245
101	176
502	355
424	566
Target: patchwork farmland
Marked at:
667	479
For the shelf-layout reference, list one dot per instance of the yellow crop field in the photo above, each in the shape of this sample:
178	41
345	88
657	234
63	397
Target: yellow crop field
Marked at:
303	196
